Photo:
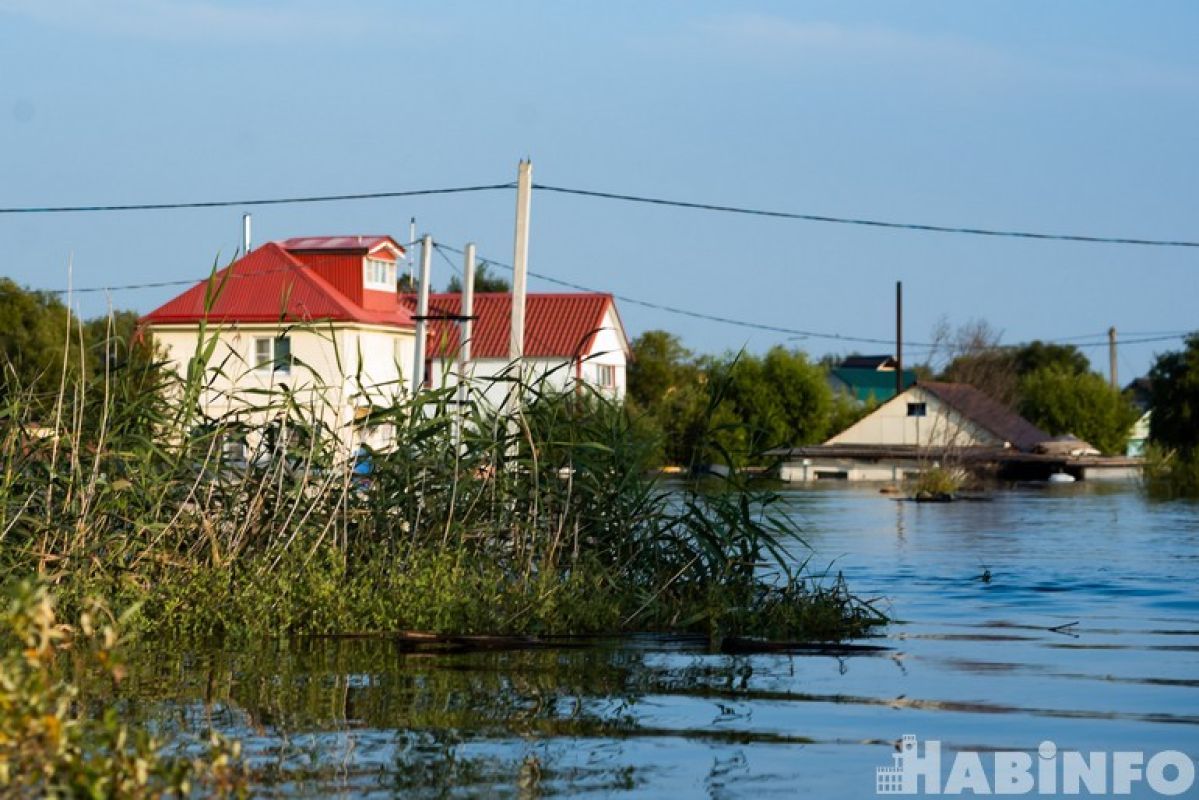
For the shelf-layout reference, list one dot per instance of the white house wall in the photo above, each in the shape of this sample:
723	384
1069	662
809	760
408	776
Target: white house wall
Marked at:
336	368
942	425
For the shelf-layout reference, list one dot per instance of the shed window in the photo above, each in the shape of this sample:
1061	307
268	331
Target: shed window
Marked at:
917	410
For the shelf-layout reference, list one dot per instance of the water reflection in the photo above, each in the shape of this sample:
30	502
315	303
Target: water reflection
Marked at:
1085	634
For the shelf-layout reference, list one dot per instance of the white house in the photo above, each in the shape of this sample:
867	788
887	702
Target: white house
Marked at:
942	415
569	338
317	315
321	317
927	423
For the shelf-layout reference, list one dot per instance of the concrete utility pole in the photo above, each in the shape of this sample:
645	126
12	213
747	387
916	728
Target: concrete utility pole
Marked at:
898	338
245	235
466	327
1111	355
422	311
409	246
520	260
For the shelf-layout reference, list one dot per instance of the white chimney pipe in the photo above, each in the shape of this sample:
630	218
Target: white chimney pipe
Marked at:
245	234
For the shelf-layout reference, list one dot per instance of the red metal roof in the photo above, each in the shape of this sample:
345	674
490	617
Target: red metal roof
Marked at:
556	325
271	285
354	243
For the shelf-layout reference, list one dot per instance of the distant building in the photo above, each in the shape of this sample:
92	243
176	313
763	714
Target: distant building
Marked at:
868	378
1139	392
935	424
943	415
575	338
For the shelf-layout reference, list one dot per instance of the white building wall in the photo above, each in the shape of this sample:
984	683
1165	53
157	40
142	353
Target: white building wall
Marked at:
942	426
337	369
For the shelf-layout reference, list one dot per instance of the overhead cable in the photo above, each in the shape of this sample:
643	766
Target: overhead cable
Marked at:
873	223
270	201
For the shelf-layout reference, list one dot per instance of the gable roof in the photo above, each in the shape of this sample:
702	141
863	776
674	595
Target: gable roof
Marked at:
556	325
270	285
988	413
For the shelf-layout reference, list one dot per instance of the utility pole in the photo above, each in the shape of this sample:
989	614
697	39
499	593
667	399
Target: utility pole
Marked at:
898	338
1111	355
408	248
520	260
245	235
422	312
466	326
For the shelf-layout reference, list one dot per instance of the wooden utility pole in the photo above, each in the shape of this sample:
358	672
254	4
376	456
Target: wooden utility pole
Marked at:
1111	356
520	260
898	338
422	312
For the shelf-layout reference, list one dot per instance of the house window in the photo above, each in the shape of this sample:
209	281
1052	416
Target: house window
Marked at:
379	274
917	410
605	375
272	353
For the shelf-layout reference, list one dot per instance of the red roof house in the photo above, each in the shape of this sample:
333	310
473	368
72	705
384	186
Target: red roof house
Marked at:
556	325
298	280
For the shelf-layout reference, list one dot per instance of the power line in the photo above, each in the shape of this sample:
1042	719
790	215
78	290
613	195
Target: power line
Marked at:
794	332
697	314
873	223
271	201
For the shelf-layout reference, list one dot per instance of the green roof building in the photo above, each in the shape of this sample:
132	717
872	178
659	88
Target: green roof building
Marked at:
867	377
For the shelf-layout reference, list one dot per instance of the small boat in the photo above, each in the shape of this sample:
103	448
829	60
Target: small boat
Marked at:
1061	477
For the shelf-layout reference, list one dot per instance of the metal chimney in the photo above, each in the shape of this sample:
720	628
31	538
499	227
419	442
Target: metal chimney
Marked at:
245	234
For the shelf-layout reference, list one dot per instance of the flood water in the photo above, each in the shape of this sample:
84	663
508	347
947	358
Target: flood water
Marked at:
1067	614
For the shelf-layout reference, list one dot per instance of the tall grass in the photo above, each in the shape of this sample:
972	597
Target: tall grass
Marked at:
535	517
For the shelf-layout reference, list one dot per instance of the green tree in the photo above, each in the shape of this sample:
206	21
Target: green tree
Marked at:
33	336
1038	355
785	399
1174	398
484	282
1081	403
667	385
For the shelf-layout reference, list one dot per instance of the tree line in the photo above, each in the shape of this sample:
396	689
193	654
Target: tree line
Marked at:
735	406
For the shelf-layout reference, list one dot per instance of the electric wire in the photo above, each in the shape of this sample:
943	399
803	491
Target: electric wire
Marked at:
270	201
693	314
873	223
631	198
751	325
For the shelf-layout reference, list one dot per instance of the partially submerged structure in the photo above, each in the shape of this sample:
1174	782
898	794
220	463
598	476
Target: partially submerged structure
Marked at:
945	425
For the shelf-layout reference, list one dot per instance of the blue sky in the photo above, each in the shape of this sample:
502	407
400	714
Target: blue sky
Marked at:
1078	117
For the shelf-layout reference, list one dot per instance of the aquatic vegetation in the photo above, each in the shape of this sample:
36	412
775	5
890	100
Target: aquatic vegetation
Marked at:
50	746
937	482
1170	474
266	518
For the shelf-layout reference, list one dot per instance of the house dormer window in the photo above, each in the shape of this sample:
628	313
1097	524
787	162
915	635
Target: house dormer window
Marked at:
379	274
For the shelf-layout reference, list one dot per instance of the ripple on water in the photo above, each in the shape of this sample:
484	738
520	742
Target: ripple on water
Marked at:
1083	631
